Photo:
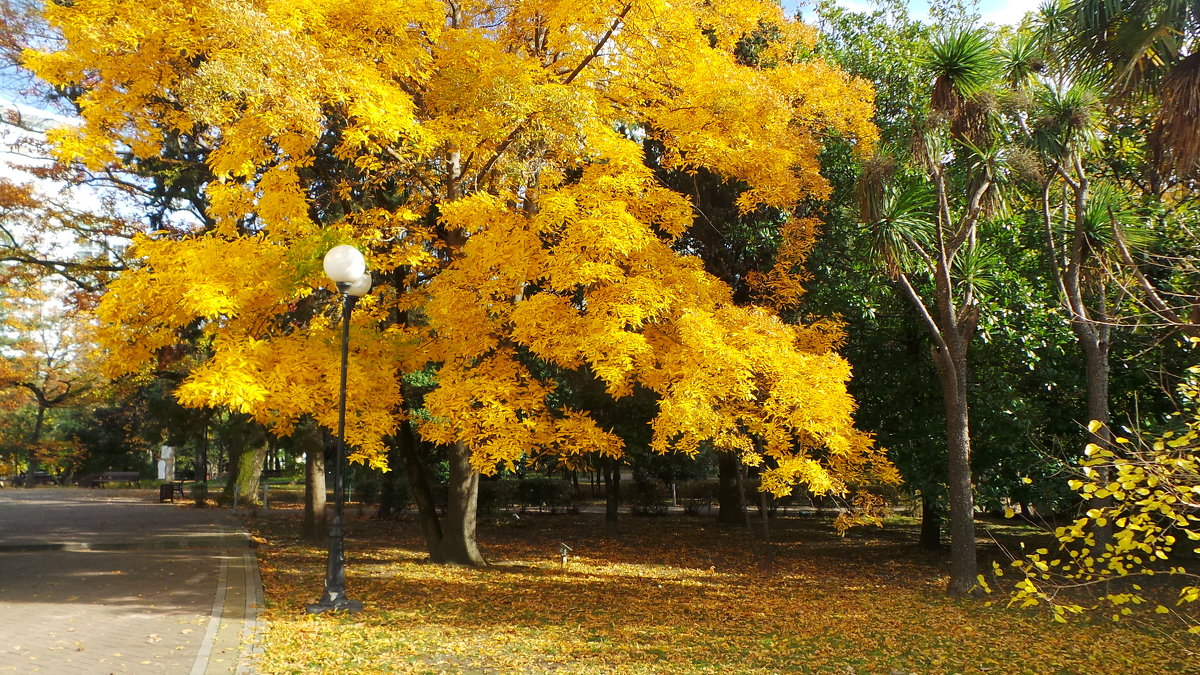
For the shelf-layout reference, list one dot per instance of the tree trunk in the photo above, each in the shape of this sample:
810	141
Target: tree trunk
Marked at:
458	545
34	439
963	564
310	440
1096	369
418	482
741	489
612	492
931	524
729	500
246	462
1090	323
763	509
387	489
200	491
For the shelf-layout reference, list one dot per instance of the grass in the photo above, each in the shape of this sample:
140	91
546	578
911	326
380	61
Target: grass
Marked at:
669	595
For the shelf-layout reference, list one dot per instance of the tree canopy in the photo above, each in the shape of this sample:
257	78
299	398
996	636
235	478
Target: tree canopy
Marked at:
488	158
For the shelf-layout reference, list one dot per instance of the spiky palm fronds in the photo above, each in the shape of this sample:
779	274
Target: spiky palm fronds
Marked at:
986	163
1111	213
1137	41
903	222
1066	117
1147	47
1021	60
1051	21
975	268
963	64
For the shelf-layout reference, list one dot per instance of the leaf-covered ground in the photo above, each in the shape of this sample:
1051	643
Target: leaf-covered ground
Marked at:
667	595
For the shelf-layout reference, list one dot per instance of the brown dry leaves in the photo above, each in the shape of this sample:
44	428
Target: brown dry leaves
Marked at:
666	596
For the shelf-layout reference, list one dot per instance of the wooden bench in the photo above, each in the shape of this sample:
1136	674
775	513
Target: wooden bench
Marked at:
167	492
104	479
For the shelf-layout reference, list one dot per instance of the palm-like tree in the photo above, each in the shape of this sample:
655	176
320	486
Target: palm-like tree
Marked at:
964	65
1146	47
924	220
1064	125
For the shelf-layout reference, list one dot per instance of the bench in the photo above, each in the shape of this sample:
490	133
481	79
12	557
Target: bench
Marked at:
167	492
103	479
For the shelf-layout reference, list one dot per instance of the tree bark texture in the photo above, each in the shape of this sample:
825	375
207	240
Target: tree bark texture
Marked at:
200	491
387	488
34	439
612	491
418	482
310	441
459	545
729	500
963	562
1090	323
1096	370
247	455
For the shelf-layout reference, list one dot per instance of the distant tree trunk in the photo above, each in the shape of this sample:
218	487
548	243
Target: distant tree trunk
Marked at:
729	500
34	439
741	488
459	545
387	489
931	524
247	456
310	441
764	508
200	491
766	523
612	491
418	482
1088	306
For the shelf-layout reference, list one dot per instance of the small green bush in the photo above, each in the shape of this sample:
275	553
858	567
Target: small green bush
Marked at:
697	495
649	498
552	493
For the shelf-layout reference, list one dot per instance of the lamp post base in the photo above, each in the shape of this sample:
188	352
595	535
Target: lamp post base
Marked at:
334	603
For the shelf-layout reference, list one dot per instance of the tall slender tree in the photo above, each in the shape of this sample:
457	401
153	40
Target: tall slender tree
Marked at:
925	217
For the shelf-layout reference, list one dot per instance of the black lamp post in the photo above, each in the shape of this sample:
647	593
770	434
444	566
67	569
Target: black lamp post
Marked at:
345	266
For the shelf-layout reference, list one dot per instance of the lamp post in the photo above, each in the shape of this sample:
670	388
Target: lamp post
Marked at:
345	266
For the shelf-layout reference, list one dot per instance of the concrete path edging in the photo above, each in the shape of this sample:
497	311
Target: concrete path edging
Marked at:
234	627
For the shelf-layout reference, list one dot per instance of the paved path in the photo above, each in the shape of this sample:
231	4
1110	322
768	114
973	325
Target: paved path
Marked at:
110	581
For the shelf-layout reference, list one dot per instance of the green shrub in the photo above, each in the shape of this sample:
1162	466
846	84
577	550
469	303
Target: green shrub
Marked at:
649	498
494	495
697	495
545	492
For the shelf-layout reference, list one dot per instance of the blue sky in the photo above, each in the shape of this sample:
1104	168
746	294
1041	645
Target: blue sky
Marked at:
994	11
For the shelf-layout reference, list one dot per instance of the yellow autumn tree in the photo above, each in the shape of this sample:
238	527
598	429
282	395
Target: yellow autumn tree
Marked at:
487	156
1150	487
44	368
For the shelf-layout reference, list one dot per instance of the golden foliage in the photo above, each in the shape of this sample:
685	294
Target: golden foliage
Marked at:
667	596
487	156
1146	494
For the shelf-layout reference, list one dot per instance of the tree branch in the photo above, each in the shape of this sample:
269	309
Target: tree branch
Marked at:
923	311
512	136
